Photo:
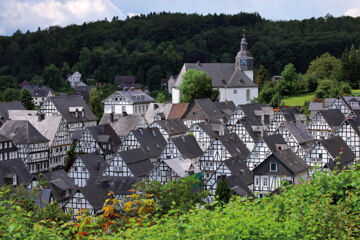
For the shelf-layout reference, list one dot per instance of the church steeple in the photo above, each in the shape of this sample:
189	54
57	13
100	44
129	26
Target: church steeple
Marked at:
243	59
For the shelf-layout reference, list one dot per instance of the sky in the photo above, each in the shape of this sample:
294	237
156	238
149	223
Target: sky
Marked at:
31	14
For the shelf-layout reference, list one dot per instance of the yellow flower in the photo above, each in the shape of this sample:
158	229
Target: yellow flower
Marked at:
128	206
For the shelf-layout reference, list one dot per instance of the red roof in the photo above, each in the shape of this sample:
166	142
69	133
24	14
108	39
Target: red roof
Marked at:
178	110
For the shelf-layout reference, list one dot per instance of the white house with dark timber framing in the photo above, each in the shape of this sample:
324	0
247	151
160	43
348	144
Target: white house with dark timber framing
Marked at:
183	147
8	149
170	127
249	131
33	147
86	169
235	81
325	123
328	151
349	131
276	170
346	104
264	148
127	101
204	134
222	148
285	114
74	110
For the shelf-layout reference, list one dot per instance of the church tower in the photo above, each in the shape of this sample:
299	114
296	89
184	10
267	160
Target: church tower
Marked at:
244	60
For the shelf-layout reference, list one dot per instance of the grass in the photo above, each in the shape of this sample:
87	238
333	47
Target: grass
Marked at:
299	100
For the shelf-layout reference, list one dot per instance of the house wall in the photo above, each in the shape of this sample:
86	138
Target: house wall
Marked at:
237	95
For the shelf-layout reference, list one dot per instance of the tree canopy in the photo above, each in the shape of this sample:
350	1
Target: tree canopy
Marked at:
195	84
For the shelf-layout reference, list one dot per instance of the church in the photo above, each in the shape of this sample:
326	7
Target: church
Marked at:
235	81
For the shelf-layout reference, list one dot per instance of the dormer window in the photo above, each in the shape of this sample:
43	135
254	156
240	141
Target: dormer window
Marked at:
273	167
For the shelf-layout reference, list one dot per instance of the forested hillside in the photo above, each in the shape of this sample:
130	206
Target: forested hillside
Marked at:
156	45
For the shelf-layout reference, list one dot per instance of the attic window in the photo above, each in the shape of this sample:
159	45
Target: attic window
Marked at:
194	113
157	146
148	148
273	167
241	81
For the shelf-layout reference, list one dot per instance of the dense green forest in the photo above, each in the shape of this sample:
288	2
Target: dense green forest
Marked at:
155	45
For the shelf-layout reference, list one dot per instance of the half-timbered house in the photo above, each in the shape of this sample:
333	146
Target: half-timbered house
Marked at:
329	150
8	149
267	145
285	114
53	128
170	169
325	123
129	101
33	147
315	107
120	186
204	134
86	169
75	112
278	169
149	139
349	131
236	173
297	136
222	148
157	112
183	147
249	130
101	139
346	104
170	127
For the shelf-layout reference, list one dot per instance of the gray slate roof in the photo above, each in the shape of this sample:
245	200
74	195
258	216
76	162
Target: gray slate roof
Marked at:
187	146
234	145
22	132
248	123
173	126
95	164
60	182
138	161
156	108
37	91
151	141
122	125
207	110
299	131
294	163
6	106
272	140
105	134
118	185
134	96
333	117
334	145
15	166
95	193
63	103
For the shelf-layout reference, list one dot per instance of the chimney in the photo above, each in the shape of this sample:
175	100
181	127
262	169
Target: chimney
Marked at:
124	114
112	117
294	123
41	116
349	117
323	103
198	63
125	88
98	166
132	89
279	149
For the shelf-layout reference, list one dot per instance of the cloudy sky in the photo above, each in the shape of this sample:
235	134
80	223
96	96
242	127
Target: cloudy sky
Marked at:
31	14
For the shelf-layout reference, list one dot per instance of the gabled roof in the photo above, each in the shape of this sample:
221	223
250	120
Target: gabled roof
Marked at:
60	182
355	124
63	103
240	80
95	193
151	141
83	91
234	145
22	132
208	129
37	91
272	140
207	110
118	185
105	134
249	109
121	124
334	145
94	163
187	146
227	108
248	123
289	112
239	170
6	106
156	108
44	197
134	96
178	110
173	126
333	117
293	162
138	161
299	131
15	166
180	166
348	99
47	127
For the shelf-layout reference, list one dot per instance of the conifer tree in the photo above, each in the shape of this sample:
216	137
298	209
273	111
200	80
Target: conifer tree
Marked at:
223	191
26	99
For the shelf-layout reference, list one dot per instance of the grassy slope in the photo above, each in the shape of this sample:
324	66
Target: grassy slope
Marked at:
299	100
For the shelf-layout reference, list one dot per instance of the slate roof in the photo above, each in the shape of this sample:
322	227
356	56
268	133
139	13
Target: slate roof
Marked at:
122	125
95	193
95	164
234	145
355	124
248	123
47	127
77	135
222	74
156	108
239	170
22	132
187	146
118	185
333	117
180	166
227	108
178	110
44	198
4	138
249	109
334	144
208	110
299	132
289	112
272	140
134	96
151	141
83	91
60	182
173	126
63	103
348	99
138	161
6	106
37	91
15	166
126	81
208	129
294	163
105	134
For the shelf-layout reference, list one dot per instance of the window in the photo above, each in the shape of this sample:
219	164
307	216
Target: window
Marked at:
247	94
320	155
265	182
256	181
273	167
235	91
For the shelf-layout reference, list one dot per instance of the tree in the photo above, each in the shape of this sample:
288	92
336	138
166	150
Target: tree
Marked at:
223	191
95	103
195	84
266	92
37	80
262	77
161	97
153	77
52	77
11	94
288	82
325	66
27	99
65	70
350	63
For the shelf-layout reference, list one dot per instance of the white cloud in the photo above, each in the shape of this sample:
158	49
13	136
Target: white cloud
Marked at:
130	15
353	12
30	15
